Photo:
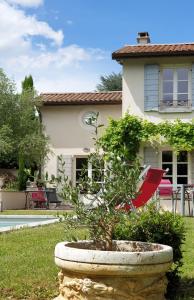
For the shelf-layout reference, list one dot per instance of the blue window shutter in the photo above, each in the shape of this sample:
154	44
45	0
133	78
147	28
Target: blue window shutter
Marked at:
192	85
151	87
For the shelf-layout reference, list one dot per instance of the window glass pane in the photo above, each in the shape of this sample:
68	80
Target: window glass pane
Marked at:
167	166
167	87
183	87
98	170
182	180
168	97
97	175
183	97
80	174
98	165
81	162
168	74
182	169
182	156
166	156
182	73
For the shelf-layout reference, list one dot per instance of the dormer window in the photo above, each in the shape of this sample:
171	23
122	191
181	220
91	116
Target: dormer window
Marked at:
175	88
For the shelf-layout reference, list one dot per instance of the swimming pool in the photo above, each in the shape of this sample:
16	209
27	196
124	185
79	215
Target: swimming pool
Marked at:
11	222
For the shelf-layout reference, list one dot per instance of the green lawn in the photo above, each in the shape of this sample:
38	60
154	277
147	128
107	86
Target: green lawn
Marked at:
27	269
187	287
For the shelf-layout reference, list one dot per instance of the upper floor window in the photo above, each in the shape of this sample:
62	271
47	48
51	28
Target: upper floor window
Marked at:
175	87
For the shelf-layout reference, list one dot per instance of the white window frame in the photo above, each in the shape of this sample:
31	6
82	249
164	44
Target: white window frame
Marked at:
174	165
175	86
74	168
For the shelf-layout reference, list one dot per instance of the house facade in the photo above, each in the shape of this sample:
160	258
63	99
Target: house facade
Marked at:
67	119
158	84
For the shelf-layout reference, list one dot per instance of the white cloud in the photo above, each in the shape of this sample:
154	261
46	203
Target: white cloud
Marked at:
16	28
53	67
27	3
79	82
70	56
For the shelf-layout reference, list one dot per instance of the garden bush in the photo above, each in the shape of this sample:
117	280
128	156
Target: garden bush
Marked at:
156	226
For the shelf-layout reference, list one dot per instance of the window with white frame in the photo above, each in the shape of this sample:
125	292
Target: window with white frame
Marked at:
175	86
177	165
83	167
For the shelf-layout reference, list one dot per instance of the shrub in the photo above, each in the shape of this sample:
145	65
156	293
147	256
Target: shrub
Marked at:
152	225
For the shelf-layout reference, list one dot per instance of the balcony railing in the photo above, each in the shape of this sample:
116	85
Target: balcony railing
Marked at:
175	105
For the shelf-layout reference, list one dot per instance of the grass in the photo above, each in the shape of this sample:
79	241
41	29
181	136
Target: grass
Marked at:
187	284
27	269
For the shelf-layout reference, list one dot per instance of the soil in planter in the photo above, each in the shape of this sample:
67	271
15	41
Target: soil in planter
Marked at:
120	246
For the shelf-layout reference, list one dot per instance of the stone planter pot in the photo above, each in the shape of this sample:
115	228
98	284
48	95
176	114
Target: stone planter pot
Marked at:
136	271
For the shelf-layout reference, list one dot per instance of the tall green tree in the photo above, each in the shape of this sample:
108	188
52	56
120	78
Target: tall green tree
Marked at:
26	112
22	137
28	83
9	121
112	82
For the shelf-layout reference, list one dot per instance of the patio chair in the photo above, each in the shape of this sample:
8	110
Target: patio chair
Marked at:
165	191
146	191
173	193
53	200
39	199
188	198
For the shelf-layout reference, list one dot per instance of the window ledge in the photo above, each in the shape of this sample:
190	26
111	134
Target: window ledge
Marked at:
175	106
174	109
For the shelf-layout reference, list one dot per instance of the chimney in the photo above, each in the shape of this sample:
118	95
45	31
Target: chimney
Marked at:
143	38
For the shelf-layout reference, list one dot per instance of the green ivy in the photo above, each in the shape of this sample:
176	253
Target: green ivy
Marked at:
180	135
125	135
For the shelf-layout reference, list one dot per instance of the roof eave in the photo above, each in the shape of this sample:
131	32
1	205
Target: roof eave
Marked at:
61	103
118	56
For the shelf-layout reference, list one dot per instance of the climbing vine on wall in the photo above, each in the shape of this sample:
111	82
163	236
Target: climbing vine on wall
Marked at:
121	136
124	136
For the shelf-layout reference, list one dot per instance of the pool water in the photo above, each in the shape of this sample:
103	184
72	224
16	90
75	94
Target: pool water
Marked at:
15	222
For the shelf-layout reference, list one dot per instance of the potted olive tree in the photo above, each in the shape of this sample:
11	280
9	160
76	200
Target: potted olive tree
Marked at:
101	268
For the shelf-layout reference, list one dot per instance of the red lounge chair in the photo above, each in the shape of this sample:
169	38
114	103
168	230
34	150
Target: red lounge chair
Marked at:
39	199
146	191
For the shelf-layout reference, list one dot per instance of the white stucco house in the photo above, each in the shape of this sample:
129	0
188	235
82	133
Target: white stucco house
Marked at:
65	117
158	84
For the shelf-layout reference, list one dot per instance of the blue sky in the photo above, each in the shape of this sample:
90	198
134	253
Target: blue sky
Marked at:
67	44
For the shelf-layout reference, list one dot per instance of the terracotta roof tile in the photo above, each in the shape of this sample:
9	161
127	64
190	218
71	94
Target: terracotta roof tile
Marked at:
82	98
148	50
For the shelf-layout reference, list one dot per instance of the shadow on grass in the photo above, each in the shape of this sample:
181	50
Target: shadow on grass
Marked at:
184	291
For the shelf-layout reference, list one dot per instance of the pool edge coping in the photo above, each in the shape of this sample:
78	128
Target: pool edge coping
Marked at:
29	225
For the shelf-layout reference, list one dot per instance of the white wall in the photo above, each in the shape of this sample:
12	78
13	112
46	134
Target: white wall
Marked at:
13	200
68	135
65	127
